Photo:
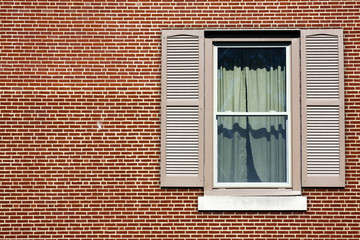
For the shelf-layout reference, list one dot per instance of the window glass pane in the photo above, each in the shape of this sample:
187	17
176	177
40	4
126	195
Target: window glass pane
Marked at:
251	79
251	149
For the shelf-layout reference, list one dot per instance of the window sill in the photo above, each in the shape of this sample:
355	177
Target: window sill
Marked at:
253	203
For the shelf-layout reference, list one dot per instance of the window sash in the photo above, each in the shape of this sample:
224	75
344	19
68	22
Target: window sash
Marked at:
287	113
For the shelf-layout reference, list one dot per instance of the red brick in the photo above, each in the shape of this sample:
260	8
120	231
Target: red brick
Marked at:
67	67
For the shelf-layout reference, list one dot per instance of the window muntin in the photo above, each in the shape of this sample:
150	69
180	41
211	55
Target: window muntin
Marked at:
252	109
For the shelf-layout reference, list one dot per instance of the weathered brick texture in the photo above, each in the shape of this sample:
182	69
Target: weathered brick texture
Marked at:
80	121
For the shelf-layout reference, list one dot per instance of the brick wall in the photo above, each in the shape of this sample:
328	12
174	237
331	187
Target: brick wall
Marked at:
80	122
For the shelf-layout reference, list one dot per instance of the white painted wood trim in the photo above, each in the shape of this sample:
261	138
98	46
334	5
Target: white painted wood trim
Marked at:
253	203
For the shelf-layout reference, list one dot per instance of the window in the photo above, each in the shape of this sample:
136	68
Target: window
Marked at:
251	102
252	113
253	84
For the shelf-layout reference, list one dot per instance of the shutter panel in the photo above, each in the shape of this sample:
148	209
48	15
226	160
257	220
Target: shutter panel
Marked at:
322	72
182	108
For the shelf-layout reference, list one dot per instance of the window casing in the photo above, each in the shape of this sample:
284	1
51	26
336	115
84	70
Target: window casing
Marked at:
290	186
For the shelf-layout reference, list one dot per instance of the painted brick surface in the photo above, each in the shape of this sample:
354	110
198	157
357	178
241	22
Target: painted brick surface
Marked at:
80	121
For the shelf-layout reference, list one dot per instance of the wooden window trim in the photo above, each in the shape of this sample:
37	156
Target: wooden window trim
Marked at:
295	189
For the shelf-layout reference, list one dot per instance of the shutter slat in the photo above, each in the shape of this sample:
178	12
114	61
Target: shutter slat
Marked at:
319	160
180	160
323	47
323	116
182	86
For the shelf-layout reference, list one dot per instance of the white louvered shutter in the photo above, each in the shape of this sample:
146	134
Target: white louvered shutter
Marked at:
323	154
182	108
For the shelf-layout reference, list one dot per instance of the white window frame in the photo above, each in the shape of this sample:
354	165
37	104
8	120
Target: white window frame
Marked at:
287	113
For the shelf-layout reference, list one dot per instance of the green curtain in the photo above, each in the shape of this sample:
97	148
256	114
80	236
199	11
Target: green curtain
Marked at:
251	148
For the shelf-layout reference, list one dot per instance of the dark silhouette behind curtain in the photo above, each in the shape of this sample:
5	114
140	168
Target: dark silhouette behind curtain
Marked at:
252	175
